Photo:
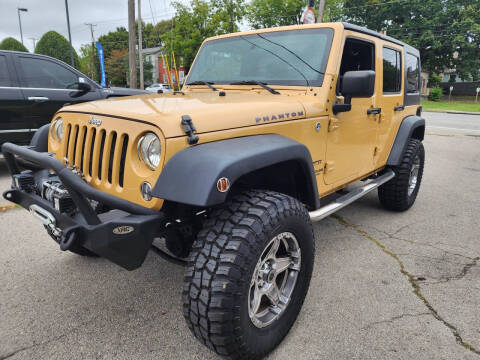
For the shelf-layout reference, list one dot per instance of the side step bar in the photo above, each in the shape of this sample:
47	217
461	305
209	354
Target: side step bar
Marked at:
352	196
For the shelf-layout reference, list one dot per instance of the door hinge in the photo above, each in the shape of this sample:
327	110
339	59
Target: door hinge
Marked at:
329	166
333	124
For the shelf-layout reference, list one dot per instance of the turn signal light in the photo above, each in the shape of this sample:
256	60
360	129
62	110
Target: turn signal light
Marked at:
223	184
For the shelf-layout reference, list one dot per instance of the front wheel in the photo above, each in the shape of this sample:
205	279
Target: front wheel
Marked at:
248	274
400	193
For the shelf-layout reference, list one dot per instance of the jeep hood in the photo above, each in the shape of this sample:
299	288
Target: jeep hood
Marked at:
208	110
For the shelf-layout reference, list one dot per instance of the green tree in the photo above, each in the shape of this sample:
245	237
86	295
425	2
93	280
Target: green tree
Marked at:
114	40
151	36
333	11
192	24
438	28
55	45
466	40
10	43
116	66
87	53
271	13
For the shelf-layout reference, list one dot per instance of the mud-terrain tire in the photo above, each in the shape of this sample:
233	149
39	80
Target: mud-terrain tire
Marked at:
217	297
400	193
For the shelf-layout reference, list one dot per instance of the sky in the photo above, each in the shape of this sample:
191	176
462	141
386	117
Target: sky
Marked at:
46	15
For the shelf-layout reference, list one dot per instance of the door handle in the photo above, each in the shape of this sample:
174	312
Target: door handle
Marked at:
374	111
399	108
38	98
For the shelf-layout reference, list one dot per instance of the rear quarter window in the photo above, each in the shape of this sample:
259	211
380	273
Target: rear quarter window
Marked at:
392	70
413	73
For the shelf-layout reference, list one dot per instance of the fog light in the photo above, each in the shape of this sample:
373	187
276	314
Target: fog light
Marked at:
146	190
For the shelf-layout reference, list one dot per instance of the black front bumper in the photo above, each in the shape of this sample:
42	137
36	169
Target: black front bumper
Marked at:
123	235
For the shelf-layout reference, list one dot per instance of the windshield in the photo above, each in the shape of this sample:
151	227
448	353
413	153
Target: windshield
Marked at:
294	57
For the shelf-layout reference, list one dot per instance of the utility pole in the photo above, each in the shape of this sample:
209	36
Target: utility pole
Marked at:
140	56
321	8
231	16
34	43
132	56
93	48
20	21
69	34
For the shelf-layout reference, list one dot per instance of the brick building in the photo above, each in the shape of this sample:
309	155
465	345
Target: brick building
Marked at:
159	72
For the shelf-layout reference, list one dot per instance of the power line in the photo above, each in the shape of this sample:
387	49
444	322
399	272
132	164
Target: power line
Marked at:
151	11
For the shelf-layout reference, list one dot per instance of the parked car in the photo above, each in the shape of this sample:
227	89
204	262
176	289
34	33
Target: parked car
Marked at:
232	171
159	88
33	87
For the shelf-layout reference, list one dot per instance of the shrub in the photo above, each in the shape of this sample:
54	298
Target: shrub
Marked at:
435	94
434	80
10	43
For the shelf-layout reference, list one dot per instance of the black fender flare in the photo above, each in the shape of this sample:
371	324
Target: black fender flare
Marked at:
412	126
39	140
190	176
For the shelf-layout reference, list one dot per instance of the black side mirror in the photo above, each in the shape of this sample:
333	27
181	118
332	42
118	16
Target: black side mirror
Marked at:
355	84
82	87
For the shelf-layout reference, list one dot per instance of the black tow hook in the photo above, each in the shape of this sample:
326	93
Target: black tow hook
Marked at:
69	239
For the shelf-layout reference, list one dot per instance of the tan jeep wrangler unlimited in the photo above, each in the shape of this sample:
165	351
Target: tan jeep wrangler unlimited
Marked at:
232	170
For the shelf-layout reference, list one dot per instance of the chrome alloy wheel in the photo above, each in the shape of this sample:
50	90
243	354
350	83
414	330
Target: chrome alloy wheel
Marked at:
412	180
274	279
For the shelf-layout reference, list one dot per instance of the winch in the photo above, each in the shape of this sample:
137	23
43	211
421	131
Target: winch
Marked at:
55	192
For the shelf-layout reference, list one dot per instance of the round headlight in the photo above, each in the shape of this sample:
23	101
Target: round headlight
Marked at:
149	150
57	129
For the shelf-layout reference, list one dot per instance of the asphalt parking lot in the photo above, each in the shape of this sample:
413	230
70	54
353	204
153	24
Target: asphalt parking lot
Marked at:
385	285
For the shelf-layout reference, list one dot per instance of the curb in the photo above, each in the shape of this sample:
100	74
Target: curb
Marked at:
453	112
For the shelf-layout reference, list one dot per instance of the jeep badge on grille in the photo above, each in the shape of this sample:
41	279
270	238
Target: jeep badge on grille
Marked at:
93	121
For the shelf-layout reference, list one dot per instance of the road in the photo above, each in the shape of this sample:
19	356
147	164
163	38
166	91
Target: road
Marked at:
385	285
462	124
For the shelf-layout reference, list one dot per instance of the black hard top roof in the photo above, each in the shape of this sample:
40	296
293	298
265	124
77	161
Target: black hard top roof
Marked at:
364	30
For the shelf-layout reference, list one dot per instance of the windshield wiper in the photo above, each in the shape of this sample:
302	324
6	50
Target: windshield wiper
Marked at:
254	82
200	82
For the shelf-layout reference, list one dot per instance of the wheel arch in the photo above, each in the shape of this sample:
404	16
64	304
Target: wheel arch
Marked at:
39	140
412	126
190	176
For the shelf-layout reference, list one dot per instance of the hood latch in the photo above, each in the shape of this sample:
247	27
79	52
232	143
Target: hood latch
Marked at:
189	129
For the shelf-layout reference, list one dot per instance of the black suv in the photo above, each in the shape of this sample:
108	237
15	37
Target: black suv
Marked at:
33	87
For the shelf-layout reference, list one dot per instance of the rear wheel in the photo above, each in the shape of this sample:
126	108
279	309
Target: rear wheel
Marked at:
248	274
400	193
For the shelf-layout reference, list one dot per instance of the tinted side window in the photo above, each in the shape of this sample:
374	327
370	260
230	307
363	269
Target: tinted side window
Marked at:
392	70
40	73
413	74
4	77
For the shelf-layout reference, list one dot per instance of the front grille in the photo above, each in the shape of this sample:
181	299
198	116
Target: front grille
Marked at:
100	155
107	154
